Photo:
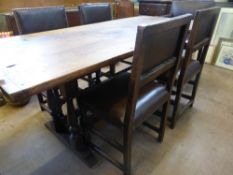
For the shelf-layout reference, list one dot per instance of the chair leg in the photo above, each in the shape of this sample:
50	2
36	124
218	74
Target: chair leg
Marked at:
176	106
194	90
127	152
163	122
98	74
41	101
112	70
90	80
59	119
2	101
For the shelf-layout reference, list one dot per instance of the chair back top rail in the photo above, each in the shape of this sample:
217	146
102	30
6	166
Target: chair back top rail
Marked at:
36	62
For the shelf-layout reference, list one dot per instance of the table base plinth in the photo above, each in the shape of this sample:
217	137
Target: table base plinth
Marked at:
81	151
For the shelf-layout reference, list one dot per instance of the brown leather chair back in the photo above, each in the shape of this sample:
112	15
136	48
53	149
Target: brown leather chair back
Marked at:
204	25
202	30
95	12
31	20
158	50
182	7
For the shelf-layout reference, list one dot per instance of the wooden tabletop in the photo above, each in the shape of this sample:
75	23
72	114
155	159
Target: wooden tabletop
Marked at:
33	63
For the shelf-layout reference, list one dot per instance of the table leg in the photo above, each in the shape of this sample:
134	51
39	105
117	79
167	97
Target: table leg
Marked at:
112	70
77	136
2	100
54	103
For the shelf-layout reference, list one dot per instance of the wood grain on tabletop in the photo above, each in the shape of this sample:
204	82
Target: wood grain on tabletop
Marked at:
36	62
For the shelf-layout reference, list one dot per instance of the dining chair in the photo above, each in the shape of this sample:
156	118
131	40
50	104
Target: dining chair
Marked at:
128	99
32	20
39	19
191	7
95	12
183	7
191	68
99	12
124	9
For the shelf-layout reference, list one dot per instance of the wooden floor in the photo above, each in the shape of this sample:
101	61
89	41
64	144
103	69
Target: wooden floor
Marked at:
201	144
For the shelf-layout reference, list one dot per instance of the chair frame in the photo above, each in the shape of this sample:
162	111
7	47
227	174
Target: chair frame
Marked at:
138	80
192	46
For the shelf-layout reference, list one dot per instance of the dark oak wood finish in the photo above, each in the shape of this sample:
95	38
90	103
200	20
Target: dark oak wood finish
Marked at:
128	99
199	40
92	13
45	61
32	20
72	53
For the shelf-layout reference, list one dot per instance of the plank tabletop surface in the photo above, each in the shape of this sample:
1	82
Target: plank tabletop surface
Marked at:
32	63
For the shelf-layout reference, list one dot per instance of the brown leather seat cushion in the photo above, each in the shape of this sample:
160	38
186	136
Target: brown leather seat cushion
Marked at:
108	100
193	68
